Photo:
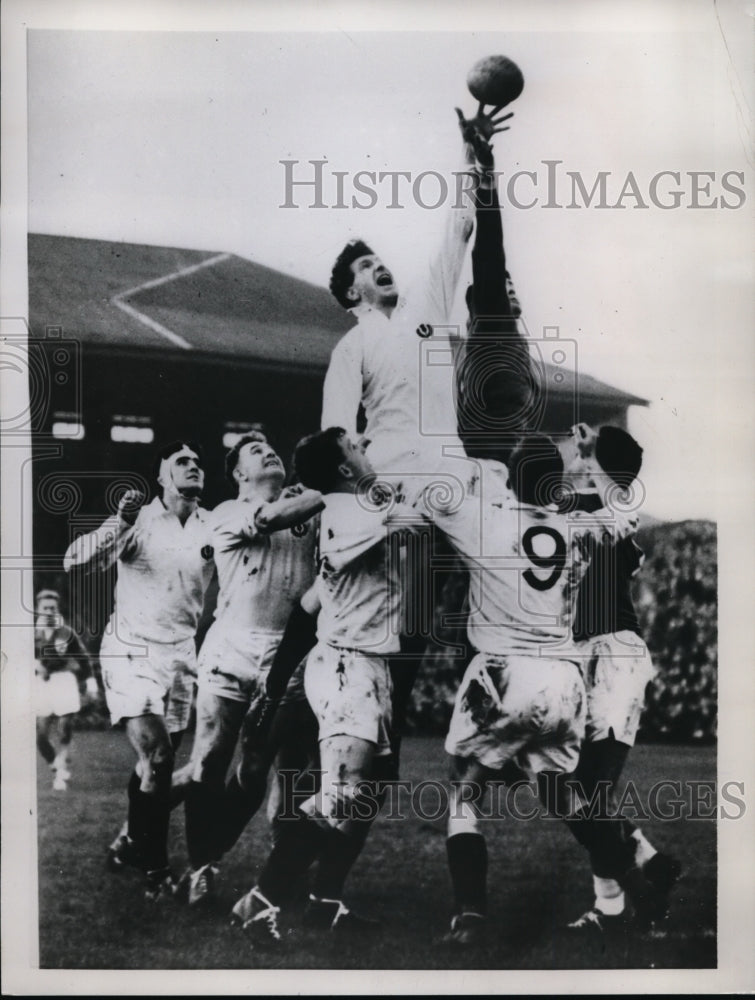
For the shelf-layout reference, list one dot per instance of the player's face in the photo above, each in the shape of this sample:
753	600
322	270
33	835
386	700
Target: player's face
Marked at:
373	282
48	612
356	460
258	463
186	473
577	448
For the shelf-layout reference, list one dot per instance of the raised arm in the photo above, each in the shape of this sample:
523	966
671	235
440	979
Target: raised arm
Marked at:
288	510
445	267
100	549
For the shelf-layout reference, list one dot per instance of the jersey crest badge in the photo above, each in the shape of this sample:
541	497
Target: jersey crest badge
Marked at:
424	330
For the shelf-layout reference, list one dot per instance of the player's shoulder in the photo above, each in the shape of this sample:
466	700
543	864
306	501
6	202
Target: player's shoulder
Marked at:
350	342
226	513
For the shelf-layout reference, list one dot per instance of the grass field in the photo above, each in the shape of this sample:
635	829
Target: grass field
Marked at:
538	879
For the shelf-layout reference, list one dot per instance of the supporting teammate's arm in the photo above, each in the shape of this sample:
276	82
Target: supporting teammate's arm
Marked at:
298	639
288	511
101	548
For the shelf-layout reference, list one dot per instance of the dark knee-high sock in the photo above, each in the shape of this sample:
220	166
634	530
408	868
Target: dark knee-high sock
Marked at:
239	805
46	748
296	844
148	823
340	850
204	810
338	853
468	865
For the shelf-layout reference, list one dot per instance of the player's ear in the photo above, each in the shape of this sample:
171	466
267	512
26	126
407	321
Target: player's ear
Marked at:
345	471
352	294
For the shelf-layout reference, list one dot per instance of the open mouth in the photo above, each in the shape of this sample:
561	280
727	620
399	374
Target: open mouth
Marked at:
272	462
384	279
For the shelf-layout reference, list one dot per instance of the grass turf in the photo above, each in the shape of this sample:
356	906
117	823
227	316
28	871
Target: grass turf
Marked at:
538	881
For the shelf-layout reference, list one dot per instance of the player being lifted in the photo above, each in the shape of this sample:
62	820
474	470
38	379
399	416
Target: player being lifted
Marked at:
347	681
379	364
264	543
62	669
617	667
522	696
148	651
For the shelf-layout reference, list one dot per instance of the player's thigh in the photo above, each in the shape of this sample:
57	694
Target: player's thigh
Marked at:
294	734
346	759
217	728
350	693
488	725
619	670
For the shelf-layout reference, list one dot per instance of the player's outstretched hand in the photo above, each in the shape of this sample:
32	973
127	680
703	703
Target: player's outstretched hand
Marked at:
478	131
129	505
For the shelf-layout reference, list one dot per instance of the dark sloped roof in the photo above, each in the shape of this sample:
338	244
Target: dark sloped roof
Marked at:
137	296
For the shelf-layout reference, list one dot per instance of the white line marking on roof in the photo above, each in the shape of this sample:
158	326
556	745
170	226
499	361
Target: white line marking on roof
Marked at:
140	317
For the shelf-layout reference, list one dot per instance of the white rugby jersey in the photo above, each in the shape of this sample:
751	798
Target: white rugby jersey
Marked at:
525	566
261	576
358	581
164	569
401	369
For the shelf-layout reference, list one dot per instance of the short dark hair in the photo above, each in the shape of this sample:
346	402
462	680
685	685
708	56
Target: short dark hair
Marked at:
317	458
536	470
232	455
171	449
618	455
47	595
342	277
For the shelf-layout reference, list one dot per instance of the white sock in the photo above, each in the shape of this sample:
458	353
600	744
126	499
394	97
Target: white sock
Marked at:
644	850
609	896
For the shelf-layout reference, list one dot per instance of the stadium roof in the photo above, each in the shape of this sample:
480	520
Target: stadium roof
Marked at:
123	295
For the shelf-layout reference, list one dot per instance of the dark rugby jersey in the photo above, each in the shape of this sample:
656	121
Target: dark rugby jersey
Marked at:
604	599
59	648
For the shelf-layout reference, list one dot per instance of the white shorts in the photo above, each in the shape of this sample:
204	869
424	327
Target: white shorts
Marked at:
149	678
526	707
58	695
616	669
350	693
234	663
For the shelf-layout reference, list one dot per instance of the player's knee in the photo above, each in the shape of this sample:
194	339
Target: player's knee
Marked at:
252	772
463	816
157	768
209	766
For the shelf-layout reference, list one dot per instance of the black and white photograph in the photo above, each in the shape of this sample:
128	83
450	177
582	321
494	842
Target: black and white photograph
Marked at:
377	437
